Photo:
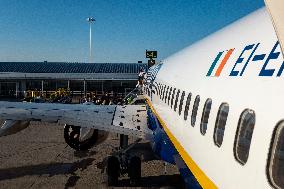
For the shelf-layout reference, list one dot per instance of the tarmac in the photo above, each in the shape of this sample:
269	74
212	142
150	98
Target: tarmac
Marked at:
38	157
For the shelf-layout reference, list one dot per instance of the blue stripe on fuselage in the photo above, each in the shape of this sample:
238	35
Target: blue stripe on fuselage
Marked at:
163	147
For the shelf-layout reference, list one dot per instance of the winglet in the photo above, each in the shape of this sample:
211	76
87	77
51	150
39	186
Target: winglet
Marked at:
276	11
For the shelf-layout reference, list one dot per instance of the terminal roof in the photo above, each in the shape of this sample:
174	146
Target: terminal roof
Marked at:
63	67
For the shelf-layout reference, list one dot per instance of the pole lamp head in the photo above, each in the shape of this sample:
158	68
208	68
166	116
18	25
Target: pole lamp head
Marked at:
90	19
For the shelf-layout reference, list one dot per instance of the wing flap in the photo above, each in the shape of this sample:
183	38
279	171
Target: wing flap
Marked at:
130	117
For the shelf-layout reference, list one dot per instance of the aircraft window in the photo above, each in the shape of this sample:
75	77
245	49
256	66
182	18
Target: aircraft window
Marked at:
156	90
169	97
167	94
205	116
164	95
176	101
276	157
163	92
162	89
244	135
173	96
186	108
221	123
194	110
159	89
181	103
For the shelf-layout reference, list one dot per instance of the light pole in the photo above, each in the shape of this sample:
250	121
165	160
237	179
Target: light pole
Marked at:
90	20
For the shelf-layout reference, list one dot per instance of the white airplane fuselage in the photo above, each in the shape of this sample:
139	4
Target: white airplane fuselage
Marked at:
232	138
247	75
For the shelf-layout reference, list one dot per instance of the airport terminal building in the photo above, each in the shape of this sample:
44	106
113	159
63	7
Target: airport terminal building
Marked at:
80	78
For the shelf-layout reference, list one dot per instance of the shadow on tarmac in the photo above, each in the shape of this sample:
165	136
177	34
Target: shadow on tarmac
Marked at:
162	181
51	169
83	154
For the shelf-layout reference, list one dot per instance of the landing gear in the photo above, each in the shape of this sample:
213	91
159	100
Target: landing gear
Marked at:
72	138
123	162
113	170
134	170
116	167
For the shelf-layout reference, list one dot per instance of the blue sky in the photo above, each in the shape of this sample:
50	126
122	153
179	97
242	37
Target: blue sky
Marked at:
57	30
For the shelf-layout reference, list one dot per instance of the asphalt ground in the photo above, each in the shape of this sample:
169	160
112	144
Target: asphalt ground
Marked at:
38	157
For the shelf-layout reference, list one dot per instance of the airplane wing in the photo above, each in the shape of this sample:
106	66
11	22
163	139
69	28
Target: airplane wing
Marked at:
128	119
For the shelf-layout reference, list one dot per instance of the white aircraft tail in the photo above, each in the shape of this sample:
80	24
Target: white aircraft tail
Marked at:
275	9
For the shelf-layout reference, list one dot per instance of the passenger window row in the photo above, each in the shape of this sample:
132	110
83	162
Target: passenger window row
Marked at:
244	133
245	125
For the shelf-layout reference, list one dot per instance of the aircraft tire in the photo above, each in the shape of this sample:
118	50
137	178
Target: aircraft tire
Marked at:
134	170
113	170
71	136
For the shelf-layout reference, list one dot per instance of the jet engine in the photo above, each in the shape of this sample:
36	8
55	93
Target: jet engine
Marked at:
82	138
10	127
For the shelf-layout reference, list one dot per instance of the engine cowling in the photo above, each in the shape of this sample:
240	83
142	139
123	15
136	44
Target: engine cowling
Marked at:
10	127
80	138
